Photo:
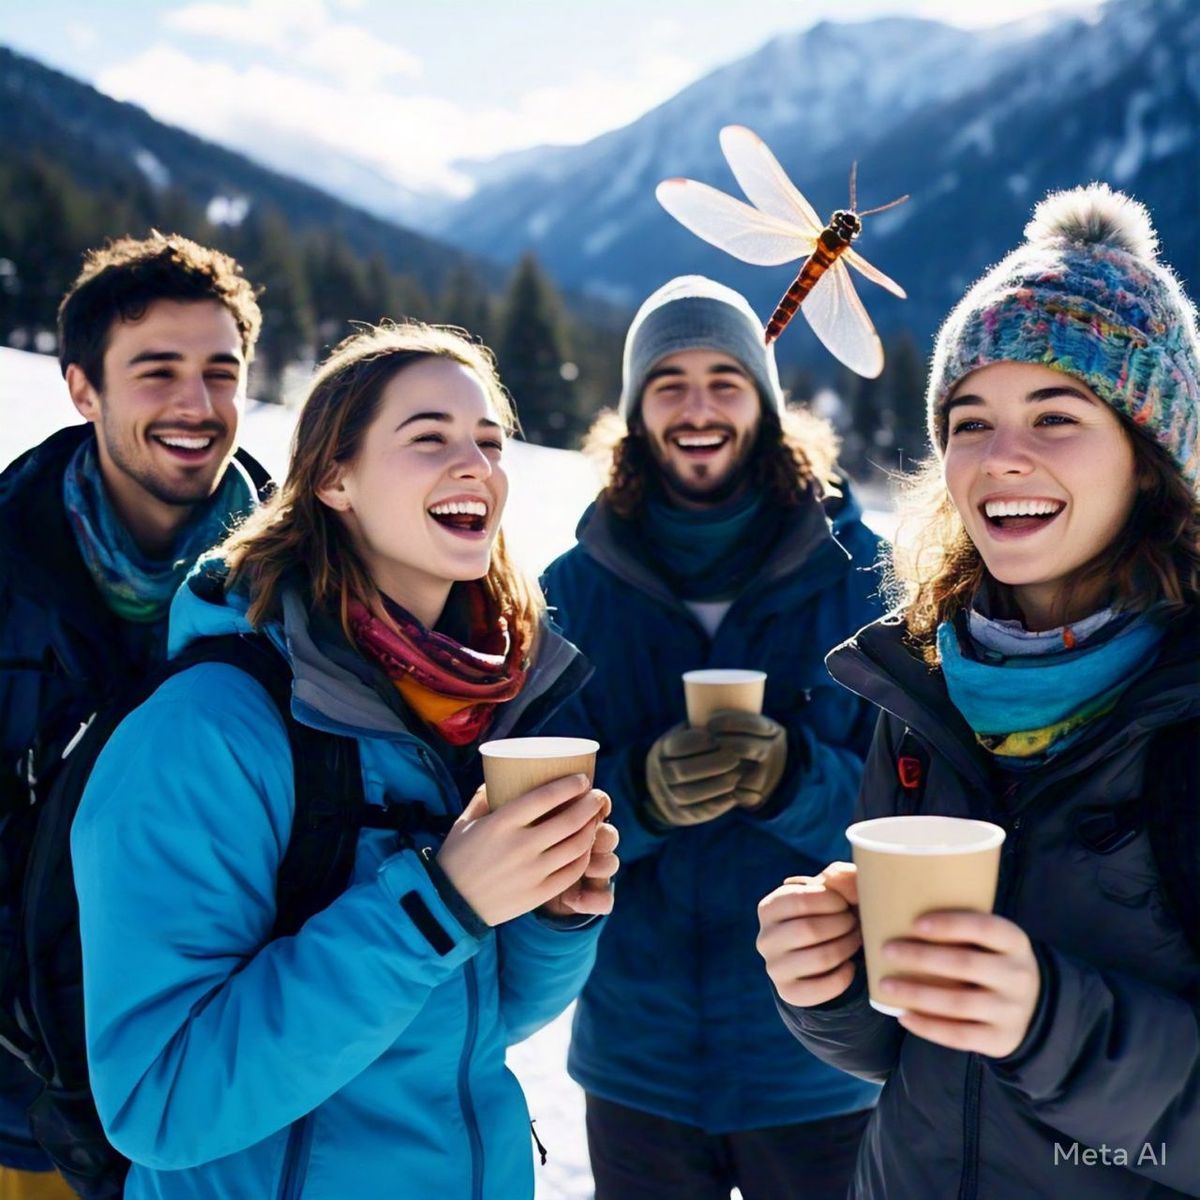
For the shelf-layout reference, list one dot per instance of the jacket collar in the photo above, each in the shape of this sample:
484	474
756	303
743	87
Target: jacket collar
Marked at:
879	665
337	689
38	554
809	534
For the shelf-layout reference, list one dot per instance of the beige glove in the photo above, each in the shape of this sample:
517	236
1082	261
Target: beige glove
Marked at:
760	745
690	778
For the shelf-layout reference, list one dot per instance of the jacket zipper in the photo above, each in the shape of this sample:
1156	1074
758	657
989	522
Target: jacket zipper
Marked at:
968	1188
295	1159
464	1084
466	1102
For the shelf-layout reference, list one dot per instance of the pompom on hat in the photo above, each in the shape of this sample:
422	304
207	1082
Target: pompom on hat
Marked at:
692	312
1085	294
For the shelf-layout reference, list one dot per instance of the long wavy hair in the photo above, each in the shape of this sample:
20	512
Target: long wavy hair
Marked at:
295	532
791	453
933	570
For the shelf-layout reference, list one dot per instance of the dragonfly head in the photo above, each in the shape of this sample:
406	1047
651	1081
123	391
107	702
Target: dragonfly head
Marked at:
845	224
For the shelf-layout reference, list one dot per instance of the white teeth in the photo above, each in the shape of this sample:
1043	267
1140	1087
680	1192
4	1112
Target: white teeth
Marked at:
1022	508
700	441
471	508
187	443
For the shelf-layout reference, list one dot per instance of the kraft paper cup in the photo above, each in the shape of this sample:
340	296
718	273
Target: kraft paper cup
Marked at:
709	691
514	766
909	866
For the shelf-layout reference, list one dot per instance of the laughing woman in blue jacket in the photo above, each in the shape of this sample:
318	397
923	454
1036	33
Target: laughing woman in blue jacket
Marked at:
363	1056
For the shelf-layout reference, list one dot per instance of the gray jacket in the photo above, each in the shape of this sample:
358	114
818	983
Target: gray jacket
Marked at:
1102	1099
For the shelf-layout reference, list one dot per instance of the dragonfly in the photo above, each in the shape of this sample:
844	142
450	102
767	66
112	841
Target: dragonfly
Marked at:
782	227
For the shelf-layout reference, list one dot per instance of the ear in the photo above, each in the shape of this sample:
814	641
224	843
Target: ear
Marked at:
85	397
332	493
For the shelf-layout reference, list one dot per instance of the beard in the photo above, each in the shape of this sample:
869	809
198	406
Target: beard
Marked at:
135	463
703	487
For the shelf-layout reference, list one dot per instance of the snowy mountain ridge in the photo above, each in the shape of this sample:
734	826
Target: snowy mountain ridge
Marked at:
975	125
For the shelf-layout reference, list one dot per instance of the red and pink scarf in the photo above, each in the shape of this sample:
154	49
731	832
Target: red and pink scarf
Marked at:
453	688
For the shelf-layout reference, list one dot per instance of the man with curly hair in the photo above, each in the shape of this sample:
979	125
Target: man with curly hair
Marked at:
722	539
98	526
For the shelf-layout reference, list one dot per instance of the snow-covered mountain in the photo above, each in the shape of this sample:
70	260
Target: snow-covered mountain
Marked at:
975	125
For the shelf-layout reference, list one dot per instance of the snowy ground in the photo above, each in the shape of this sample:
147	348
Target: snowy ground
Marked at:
549	490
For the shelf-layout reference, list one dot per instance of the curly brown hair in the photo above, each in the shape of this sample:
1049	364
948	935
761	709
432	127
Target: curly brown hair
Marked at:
295	531
933	570
791	452
122	278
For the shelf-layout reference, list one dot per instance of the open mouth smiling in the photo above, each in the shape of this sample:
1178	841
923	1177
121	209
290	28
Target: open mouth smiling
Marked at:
186	445
692	443
460	516
1019	515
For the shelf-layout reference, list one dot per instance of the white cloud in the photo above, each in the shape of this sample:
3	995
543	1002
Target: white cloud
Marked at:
302	33
271	112
80	37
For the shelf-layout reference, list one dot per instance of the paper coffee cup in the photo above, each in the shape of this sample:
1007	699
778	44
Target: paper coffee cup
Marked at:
514	766
709	691
909	866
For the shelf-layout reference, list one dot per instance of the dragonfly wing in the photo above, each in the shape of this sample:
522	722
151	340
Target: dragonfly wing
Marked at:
874	274
731	225
838	318
764	181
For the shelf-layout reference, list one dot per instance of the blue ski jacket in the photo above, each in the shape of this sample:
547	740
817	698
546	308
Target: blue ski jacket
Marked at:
363	1056
678	1018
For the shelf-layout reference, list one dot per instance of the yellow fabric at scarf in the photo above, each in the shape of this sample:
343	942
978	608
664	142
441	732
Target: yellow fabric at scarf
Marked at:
1029	743
432	707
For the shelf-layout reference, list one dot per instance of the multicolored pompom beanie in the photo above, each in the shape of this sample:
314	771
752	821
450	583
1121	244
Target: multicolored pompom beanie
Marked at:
1085	294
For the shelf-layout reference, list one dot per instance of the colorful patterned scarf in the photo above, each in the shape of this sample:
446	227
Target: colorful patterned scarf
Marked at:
135	587
1028	696
452	686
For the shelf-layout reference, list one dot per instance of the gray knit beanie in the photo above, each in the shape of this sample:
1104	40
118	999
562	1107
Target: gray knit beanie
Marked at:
694	313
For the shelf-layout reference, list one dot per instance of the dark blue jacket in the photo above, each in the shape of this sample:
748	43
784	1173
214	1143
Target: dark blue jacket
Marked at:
63	654
678	1017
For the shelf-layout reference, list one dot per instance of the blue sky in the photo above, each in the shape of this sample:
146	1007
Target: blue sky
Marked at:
452	78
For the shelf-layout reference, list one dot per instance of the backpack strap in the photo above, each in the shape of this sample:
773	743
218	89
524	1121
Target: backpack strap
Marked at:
329	800
330	807
1171	805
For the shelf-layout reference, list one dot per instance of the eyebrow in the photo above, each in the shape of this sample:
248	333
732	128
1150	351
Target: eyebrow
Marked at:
1035	397
156	356
446	419
719	369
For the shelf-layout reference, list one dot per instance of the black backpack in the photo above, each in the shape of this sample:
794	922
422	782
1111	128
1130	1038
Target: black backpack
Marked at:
41	982
1169	810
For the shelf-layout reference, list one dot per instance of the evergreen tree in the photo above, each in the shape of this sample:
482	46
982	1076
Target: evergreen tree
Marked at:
532	351
338	284
464	302
288	325
906	389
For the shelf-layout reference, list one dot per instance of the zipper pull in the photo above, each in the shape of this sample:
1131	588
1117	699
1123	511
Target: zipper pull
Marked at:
538	1142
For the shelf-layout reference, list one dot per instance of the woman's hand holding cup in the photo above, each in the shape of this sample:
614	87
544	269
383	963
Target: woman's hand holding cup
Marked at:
809	934
592	894
530	852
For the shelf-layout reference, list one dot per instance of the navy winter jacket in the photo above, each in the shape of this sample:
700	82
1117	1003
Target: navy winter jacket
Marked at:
678	1018
63	654
1102	1100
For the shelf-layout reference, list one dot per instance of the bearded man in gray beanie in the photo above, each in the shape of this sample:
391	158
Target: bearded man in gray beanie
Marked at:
723	539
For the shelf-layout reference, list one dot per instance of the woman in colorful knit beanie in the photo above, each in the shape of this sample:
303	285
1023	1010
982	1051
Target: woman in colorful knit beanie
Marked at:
362	1055
1041	673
